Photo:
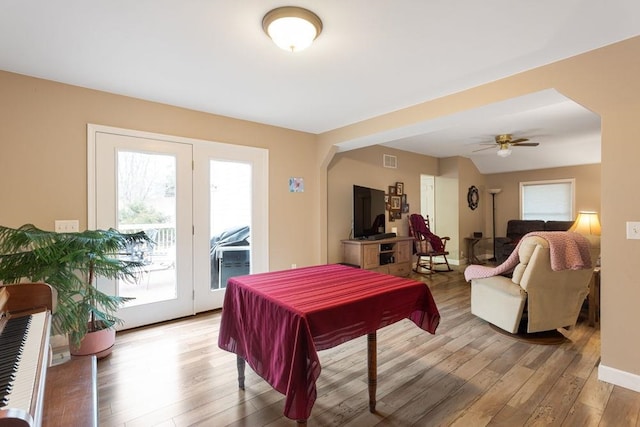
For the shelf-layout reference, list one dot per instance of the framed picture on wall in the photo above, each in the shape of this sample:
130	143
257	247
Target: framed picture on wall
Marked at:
399	188
392	190
396	203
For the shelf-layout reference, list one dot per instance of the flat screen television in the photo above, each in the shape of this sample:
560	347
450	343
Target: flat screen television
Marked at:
368	212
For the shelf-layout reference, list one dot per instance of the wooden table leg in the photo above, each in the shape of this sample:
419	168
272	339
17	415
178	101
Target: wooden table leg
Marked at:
372	369
594	298
240	363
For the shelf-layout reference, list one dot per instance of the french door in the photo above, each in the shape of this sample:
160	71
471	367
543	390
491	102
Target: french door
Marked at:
185	194
231	213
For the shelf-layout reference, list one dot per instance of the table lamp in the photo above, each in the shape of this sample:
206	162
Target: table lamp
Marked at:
588	225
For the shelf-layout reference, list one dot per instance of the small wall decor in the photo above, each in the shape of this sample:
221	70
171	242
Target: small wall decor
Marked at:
296	185
473	197
404	205
396	201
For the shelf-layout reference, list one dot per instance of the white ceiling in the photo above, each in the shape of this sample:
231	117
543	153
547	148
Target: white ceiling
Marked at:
373	57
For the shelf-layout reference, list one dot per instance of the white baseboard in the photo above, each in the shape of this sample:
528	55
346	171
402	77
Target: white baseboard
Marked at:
618	377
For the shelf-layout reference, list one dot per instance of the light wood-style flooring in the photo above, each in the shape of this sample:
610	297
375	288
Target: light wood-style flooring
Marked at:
174	374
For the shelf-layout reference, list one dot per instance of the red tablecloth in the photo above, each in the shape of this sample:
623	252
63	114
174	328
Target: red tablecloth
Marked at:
278	321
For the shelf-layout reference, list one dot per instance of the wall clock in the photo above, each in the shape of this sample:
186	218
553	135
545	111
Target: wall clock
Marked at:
473	197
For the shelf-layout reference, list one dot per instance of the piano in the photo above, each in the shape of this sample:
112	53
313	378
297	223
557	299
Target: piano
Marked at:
25	323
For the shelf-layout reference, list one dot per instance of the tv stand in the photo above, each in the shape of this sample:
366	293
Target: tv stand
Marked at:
391	255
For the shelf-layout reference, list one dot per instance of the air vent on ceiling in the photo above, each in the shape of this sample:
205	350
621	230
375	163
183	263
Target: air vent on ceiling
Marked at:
389	161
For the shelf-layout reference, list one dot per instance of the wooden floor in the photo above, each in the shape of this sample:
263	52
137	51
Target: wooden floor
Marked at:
466	374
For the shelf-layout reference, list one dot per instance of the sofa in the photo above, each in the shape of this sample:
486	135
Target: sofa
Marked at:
517	228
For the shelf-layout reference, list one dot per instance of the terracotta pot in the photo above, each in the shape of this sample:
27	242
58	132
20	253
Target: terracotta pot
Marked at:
99	343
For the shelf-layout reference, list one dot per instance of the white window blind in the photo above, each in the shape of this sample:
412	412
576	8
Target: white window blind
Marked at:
547	200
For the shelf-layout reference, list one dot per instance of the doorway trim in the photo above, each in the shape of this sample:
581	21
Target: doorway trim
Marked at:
260	209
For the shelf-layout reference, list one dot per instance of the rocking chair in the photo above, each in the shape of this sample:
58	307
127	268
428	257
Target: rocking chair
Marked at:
427	246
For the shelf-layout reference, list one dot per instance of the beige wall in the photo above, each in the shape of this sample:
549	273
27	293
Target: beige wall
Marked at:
471	220
364	167
43	156
606	81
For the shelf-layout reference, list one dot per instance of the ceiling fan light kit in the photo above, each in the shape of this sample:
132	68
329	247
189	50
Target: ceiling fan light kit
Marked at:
292	28
504	152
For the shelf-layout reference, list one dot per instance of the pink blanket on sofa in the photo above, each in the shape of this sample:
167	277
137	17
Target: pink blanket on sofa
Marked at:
568	250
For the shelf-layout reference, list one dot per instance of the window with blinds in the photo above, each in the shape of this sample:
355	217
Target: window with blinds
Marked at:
547	200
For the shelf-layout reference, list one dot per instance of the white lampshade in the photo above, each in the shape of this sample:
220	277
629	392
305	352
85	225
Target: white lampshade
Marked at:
587	224
292	28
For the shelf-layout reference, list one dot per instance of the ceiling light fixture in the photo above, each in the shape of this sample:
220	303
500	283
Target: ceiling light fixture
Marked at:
504	152
292	28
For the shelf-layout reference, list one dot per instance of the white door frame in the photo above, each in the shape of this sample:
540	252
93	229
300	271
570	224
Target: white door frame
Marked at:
200	222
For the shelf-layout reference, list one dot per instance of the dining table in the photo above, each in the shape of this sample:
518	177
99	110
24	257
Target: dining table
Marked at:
276	322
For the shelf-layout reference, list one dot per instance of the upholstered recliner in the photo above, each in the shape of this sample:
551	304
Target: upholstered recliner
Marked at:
547	299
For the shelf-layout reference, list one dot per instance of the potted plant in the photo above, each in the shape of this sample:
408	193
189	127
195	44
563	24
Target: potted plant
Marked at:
71	263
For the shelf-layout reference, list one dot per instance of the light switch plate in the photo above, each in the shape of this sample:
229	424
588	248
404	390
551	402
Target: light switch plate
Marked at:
633	229
67	225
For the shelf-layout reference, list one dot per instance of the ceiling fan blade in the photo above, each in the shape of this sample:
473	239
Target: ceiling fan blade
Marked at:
483	149
517	141
526	144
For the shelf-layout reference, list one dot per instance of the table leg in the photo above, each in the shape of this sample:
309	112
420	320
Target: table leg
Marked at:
240	363
594	299
373	369
471	252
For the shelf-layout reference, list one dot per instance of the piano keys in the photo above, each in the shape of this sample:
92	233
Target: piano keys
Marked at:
24	358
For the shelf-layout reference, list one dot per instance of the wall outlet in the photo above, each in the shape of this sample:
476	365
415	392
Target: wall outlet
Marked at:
294	265
67	225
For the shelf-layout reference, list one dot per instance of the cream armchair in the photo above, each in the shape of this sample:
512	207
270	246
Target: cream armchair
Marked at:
552	299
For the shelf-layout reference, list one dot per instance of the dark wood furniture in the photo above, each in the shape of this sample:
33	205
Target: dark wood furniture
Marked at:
471	249
71	396
427	246
594	298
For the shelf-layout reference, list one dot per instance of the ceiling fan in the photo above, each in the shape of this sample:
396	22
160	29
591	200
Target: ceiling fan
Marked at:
505	142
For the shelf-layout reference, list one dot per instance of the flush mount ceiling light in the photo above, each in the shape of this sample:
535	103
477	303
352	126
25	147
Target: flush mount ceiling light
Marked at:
292	28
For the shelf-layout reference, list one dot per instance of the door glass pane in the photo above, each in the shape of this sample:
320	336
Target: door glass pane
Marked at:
147	202
230	217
